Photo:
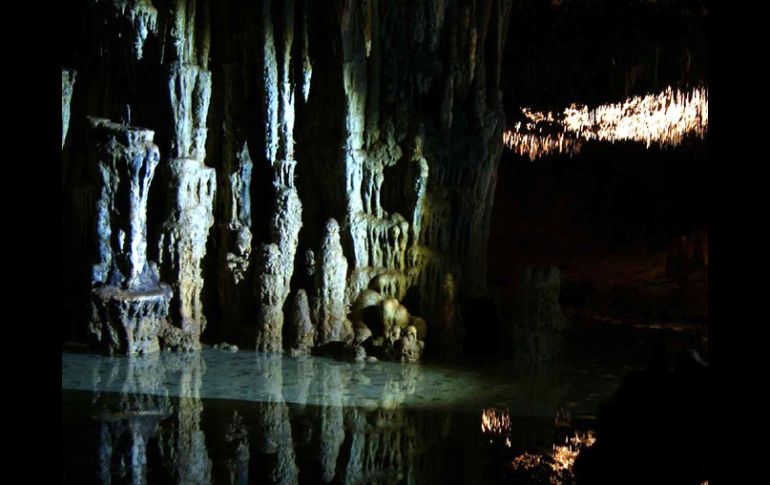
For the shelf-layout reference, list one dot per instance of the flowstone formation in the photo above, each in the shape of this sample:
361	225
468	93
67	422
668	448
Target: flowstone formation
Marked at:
129	303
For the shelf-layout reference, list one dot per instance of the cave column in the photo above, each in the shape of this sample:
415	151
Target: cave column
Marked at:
273	275
189	205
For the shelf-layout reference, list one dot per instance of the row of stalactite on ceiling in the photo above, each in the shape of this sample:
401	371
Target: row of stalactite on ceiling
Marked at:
378	130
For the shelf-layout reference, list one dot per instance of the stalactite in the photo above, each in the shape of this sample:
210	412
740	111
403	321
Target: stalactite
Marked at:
67	85
140	19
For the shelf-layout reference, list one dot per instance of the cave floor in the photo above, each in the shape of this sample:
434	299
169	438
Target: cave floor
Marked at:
214	416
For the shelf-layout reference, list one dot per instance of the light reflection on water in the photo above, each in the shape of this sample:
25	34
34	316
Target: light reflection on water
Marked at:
220	417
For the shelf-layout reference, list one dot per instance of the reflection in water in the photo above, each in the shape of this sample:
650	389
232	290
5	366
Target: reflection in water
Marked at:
564	455
147	434
220	417
494	422
555	467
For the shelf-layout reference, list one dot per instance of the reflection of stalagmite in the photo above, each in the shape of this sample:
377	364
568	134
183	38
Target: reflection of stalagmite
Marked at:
273	426
128	423
236	435
331	382
355	428
190	461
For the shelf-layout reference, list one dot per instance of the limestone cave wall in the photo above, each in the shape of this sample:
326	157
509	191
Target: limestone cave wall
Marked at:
325	157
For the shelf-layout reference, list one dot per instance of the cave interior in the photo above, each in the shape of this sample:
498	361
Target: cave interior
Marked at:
308	241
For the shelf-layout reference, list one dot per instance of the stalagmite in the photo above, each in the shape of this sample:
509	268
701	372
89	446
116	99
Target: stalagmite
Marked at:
128	301
300	328
186	231
269	290
331	275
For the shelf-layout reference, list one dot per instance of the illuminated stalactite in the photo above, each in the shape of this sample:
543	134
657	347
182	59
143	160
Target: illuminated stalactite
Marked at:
664	119
68	77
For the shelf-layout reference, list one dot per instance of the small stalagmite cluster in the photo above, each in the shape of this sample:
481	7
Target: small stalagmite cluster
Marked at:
310	176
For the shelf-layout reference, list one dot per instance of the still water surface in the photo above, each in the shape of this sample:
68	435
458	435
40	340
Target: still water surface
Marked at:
221	417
